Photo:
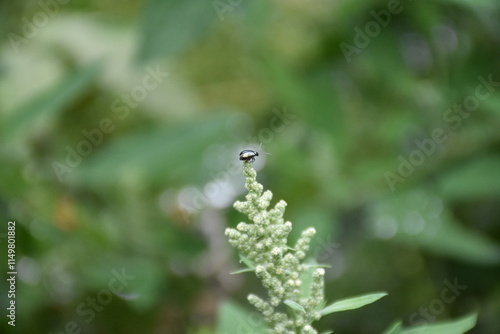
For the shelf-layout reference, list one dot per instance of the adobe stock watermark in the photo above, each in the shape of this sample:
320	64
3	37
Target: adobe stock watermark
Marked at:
193	199
121	108
324	249
224	6
452	118
95	304
48	9
448	295
372	29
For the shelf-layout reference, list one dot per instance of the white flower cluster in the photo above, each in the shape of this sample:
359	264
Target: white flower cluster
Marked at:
277	265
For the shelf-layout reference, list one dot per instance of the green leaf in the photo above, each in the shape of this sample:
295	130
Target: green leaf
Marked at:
151	156
170	26
246	270
420	217
306	95
294	305
447	327
244	259
232	318
477	178
395	328
352	303
50	103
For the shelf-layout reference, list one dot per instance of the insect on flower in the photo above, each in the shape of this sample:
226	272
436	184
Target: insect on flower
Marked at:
248	155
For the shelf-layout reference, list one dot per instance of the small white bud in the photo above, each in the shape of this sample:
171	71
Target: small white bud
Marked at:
276	251
319	272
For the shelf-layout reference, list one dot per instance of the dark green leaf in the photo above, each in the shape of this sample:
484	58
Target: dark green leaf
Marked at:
170	26
165	153
43	108
418	216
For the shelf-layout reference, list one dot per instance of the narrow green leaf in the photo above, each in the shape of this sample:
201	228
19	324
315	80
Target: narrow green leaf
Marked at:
246	270
352	303
459	326
246	261
395	328
294	305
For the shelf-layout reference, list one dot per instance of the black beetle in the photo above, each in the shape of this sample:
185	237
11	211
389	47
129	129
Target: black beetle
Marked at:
248	155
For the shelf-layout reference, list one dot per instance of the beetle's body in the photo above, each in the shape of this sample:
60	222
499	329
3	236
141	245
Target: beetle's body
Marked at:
248	155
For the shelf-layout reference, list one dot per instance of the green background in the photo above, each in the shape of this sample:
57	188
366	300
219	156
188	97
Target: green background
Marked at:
105	166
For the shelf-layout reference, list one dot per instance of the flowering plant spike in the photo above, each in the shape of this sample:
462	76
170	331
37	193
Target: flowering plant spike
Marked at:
279	267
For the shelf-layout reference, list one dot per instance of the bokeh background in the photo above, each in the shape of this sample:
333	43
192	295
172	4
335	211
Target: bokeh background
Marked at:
121	123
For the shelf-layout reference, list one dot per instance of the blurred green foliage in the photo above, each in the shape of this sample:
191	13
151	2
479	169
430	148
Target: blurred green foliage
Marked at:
150	171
